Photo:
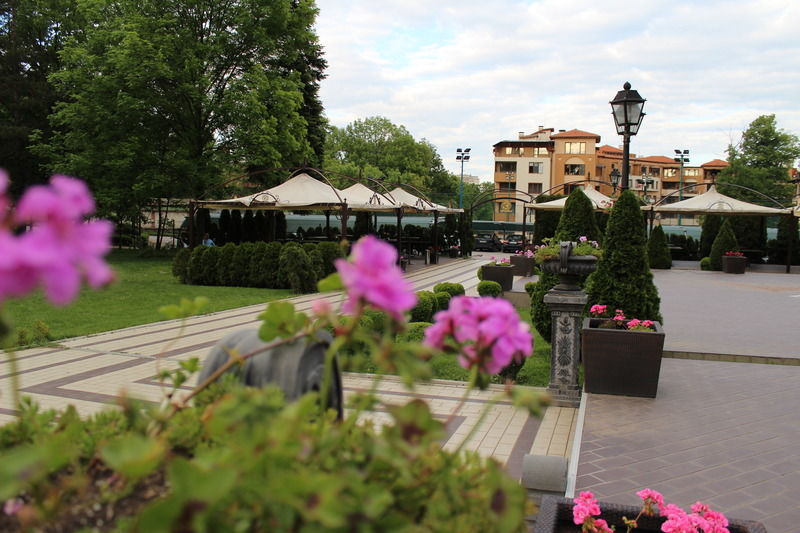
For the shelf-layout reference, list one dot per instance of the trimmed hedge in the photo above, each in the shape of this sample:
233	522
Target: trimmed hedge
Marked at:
180	264
453	289
658	249
426	305
442	300
298	268
490	288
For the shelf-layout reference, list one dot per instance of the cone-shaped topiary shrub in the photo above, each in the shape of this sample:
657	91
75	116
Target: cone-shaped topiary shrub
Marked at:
330	251
223	267
209	274
725	242
623	279
194	268
270	267
224	227
239	272
256	276
453	289
658	249
318	263
490	288
577	220
711	225
235	235
299	270
180	264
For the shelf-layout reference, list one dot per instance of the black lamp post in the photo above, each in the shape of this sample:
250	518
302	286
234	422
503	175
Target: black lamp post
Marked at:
615	175
681	156
627	110
462	155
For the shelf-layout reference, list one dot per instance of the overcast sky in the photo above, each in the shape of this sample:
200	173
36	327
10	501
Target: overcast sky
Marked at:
472	73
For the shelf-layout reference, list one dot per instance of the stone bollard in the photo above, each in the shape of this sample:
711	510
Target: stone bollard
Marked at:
542	475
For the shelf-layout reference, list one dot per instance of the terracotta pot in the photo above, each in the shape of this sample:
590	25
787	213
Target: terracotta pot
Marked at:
734	264
620	361
555	516
504	275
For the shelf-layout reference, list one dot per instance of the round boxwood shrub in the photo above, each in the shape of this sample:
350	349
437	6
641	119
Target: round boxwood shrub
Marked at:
490	288
330	251
705	263
256	276
453	289
299	270
530	287
194	268
239	271
426	304
283	273
210	266
180	264
414	333
725	242
658	249
442	300
318	263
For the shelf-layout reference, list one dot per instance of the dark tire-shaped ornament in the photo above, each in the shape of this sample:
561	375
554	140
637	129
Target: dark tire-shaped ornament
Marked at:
297	368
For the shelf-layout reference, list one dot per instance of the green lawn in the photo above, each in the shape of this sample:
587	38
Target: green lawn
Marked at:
142	286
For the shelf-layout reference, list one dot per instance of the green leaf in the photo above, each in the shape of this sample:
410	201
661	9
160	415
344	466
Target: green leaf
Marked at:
186	308
281	320
330	283
194	482
134	456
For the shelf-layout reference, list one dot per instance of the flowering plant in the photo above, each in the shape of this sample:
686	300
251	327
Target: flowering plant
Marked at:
551	249
701	520
500	262
619	320
527	253
733	253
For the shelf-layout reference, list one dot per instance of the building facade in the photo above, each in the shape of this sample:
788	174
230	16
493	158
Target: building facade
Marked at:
553	162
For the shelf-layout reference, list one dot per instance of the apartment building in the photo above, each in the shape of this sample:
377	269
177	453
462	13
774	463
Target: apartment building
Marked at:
553	162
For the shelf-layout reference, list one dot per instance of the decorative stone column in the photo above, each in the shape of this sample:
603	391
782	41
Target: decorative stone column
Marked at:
566	309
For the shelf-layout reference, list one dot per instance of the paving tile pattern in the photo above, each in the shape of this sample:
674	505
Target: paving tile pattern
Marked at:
727	434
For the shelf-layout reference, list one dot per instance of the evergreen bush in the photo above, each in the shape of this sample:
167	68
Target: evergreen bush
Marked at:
280	225
317	263
623	279
236	227
194	267
577	220
415	332
223	267
442	300
711	225
691	248
270	267
248	227
705	263
725	242
330	252
426	304
239	274
453	289
180	264
210	269
530	287
490	288
260	227
256	276
296	265
224	228
778	248
658	250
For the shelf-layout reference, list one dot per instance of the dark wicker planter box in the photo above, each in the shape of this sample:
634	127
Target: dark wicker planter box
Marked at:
621	362
504	275
522	266
734	264
555	516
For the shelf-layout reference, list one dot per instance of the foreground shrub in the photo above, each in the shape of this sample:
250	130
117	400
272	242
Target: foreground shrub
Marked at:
490	288
453	289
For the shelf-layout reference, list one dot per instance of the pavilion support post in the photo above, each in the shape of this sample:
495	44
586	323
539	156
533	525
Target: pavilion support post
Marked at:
524	213
399	232
434	238
192	209
344	221
790	246
328	224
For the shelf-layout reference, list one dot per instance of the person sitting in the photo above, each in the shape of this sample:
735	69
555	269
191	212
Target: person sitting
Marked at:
207	241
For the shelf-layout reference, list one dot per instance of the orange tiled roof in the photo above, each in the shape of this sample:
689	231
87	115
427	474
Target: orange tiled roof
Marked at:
575	134
657	159
715	163
609	148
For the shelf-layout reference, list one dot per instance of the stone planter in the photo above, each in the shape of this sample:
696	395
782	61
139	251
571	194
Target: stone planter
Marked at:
571	271
734	264
522	266
504	275
619	361
555	516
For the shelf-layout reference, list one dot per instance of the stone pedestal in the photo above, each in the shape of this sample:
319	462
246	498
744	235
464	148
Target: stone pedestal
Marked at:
566	308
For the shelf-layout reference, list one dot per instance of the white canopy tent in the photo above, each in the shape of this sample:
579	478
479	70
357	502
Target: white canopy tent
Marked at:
713	202
598	199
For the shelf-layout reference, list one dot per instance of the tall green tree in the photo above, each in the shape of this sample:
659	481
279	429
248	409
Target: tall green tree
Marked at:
164	97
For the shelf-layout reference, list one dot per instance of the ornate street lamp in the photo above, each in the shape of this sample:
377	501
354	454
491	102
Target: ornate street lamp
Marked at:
681	156
615	175
462	155
627	111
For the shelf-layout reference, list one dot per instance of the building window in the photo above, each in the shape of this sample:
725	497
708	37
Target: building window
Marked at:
505	166
574	170
575	147
670	172
691	172
507	186
569	187
535	168
539	151
510	150
534	188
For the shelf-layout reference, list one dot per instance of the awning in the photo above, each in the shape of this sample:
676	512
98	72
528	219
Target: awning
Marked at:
716	203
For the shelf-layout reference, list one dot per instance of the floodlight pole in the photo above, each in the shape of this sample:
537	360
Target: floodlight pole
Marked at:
681	156
462	155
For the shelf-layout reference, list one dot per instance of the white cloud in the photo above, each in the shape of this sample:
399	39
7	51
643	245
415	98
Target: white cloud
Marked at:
473	73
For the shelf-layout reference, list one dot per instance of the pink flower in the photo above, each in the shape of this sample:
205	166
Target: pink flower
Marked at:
598	309
12	506
583	238
373	277
60	248
487	332
633	323
321	307
601	526
647	323
650	498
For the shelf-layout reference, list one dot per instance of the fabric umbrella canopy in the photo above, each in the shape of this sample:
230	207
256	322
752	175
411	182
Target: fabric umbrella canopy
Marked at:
359	197
300	192
715	203
412	203
598	199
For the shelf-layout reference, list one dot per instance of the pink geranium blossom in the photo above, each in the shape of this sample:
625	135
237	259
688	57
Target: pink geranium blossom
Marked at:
486	331
60	248
372	277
